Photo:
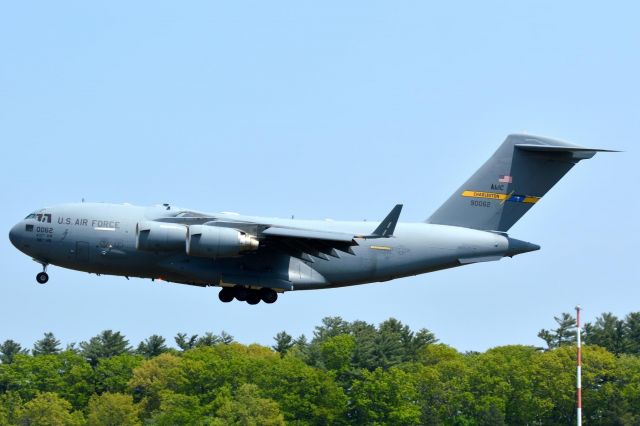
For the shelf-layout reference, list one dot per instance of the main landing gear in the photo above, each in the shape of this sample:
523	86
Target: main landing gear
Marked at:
244	294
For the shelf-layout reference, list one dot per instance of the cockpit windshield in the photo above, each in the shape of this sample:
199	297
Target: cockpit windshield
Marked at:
31	216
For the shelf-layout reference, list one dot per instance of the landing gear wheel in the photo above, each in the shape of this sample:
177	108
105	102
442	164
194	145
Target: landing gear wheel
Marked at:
268	295
226	295
42	278
253	298
240	293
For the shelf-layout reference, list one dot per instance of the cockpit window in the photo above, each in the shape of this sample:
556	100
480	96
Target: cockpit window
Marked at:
31	216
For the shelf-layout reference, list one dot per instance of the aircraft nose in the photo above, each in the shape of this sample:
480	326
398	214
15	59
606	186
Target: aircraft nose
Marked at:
14	235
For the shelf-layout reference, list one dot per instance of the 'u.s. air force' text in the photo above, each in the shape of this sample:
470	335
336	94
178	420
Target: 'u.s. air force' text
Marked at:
95	223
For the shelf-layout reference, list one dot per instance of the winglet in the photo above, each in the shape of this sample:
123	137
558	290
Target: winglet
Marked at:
388	225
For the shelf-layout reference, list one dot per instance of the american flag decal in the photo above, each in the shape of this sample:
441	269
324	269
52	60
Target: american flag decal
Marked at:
505	179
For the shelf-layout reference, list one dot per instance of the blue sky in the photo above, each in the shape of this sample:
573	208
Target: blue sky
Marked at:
323	110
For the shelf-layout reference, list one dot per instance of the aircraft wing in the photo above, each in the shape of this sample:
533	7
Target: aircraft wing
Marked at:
302	243
297	242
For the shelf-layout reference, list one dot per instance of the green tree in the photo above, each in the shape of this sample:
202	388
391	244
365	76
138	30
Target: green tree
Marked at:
608	331
421	339
391	343
442	380
113	374
249	408
152	346
601	397
9	349
10	408
210	339
385	397
66	374
48	345
178	409
337	352
632	333
331	327
364	352
305	394
553	380
501	380
153	376
300	348
105	345
112	409
284	342
185	342
628	388
48	409
564	334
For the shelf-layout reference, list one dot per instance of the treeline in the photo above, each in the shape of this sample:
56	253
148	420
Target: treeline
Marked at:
619	336
346	373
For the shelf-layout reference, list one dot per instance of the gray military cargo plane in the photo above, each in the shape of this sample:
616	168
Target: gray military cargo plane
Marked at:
256	258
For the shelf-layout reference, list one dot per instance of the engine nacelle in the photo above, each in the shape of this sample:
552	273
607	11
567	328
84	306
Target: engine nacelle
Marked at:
214	241
158	236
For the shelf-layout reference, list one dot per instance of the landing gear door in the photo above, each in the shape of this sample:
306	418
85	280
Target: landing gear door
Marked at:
82	251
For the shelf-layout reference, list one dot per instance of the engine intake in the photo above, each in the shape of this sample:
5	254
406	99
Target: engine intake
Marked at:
214	242
158	236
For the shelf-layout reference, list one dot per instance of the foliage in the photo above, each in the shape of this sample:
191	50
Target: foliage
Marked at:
186	342
284	342
564	334
112	409
153	346
248	408
9	349
348	373
104	345
48	409
48	345
617	335
113	374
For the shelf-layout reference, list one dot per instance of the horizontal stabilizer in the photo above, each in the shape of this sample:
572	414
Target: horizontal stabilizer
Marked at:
553	148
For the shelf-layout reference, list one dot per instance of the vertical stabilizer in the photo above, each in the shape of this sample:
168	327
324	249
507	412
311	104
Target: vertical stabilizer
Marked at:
518	174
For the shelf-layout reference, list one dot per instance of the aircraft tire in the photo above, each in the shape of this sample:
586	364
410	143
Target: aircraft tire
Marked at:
268	295
42	278
253	298
226	295
240	293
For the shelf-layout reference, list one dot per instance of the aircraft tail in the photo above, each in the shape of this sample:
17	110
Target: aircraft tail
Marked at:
518	174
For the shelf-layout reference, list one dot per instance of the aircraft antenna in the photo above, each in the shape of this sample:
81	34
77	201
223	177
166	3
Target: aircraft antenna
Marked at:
579	370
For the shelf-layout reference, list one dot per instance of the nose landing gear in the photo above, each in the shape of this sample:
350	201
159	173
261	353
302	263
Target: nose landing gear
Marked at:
43	277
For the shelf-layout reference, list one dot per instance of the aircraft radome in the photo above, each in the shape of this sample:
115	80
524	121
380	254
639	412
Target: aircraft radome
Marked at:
254	259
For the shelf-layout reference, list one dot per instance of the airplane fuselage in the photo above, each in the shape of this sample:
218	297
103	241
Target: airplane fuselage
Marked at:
101	238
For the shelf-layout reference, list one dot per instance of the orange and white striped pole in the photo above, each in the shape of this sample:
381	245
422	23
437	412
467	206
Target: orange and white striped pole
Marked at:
579	370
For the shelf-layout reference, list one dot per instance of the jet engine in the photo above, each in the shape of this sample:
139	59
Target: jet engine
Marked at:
214	242
158	236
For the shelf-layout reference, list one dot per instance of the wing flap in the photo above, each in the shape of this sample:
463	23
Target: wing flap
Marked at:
309	234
